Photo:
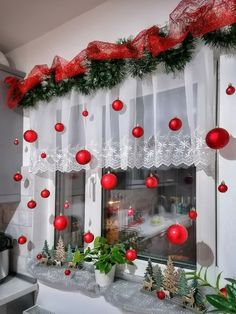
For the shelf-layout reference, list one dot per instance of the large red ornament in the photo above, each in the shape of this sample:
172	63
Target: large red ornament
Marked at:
131	212
217	138
16	141
39	256
117	105
222	187
30	136
138	131
192	214
22	240
223	291
161	295
17	177
83	157
67	272
109	181
177	234
85	113
175	124
43	155
131	255
31	204
151	182
60	222
45	193
88	237
230	90
59	127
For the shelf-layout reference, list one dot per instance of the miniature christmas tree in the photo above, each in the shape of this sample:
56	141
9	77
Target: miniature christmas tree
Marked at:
52	253
183	284
158	277
69	254
198	296
60	251
149	271
170	281
45	250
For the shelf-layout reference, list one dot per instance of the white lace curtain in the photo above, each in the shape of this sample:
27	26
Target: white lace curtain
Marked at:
107	134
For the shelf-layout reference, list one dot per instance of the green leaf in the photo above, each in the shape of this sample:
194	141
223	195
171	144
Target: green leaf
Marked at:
231	293
218	281
199	273
221	303
233	281
205	275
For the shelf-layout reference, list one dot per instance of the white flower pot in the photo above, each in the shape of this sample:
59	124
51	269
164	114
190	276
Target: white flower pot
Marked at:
104	280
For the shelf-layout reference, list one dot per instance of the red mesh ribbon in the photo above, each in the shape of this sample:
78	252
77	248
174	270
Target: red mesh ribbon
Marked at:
57	67
14	95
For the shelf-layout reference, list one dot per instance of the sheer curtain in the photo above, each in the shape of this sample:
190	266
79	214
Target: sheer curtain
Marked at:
107	134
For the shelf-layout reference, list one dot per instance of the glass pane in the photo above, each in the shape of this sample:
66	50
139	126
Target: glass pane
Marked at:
139	216
71	187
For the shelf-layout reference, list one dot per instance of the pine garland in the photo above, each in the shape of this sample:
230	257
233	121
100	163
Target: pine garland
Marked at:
224	38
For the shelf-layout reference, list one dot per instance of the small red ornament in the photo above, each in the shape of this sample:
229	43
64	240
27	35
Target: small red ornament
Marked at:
60	222
67	272
175	124
88	237
45	193
230	90
30	136
223	291
59	127
66	205
222	188
131	212
131	255
43	155
39	256
138	131
177	234
192	214
22	240
161	295
17	177
117	105
16	141
85	113
217	138
151	182
31	204
109	181
188	179
83	157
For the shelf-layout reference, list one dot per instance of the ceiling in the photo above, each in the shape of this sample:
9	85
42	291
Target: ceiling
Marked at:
24	20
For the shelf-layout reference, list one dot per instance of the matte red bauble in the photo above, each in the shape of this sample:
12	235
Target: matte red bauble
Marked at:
39	256
138	131
151	182
83	157
161	295
117	105
177	234
43	155
60	222
59	127
22	240
175	124
109	181
223	291
131	212
131	255
85	113
16	141
66	205
30	136
88	237
17	177
67	272
31	204
222	188
45	193
217	138
192	214
230	90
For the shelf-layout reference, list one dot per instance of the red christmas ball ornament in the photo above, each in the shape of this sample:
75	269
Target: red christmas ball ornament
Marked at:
39	256
88	237
31	204
60	222
59	127
192	214
222	188
30	136
161	295
109	181
177	234
223	291
230	90
138	131
217	138
22	240
45	193
16	141
117	105
67	272
131	255
85	113
151	182
175	124
83	157
43	155
66	205
131	212
17	177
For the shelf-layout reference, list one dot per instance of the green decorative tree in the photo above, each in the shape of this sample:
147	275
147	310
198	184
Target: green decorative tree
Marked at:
183	288
69	254
170	281
198	295
45	250
158	276
52	252
149	271
60	251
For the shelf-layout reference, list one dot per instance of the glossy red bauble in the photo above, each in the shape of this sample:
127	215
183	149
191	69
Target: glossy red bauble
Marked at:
31	204
66	205
59	127
131	255
39	256
230	90
138	131
151	182
217	138
67	272
117	105
17	177
109	181
223	291
131	212
43	155
83	157
85	113
175	124
222	188
88	237
177	234
60	222
45	193
192	214
30	136
16	141
161	295
22	240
